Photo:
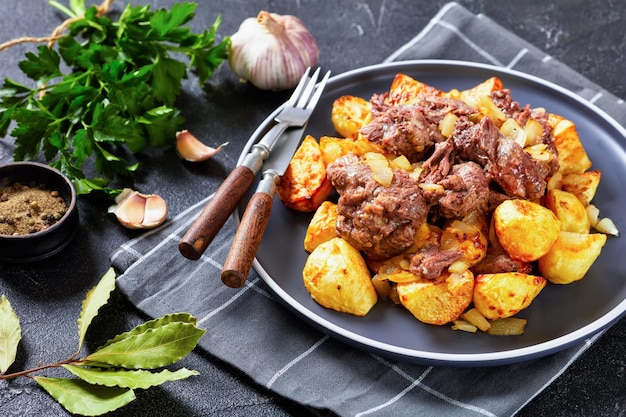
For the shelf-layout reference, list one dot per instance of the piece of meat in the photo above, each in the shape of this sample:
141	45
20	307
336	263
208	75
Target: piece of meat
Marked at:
435	108
430	263
511	108
497	261
476	142
518	173
380	221
439	164
466	189
402	130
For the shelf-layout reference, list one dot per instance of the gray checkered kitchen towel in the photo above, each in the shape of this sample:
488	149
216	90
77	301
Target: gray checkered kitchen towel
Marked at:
248	327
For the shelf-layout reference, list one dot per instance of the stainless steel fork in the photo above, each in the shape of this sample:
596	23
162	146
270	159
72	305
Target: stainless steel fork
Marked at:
295	112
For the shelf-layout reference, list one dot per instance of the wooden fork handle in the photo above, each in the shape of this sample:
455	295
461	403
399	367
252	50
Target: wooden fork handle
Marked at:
211	219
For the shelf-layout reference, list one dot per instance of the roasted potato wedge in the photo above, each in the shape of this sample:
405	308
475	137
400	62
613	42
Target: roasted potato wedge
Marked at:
440	301
479	90
505	294
583	185
406	90
572	156
524	229
569	210
322	226
468	238
571	256
333	148
305	185
349	113
336	276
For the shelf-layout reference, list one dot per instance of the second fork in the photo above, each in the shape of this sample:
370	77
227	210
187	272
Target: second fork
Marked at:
205	227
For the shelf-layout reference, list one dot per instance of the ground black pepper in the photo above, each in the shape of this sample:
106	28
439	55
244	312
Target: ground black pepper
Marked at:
29	208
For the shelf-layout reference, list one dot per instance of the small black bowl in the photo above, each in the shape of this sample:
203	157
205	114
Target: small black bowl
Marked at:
47	242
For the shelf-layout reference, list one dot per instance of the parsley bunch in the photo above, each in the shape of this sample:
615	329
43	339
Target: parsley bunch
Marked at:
108	88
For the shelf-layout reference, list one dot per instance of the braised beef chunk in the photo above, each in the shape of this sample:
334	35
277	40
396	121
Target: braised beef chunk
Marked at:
439	164
466	189
518	173
499	261
511	108
476	142
380	221
435	108
541	115
430	263
402	130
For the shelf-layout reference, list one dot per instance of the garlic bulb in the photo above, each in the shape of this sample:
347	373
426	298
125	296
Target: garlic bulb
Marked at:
139	211
272	51
191	149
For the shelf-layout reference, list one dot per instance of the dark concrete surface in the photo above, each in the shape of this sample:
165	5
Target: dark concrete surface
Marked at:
588	36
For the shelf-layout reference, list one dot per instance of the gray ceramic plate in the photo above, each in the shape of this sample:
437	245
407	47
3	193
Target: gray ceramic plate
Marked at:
561	315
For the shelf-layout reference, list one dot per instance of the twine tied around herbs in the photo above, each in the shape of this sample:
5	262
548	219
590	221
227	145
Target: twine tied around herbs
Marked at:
57	34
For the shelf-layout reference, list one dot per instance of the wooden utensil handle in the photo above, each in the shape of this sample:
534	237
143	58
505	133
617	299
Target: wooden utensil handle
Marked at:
216	212
247	240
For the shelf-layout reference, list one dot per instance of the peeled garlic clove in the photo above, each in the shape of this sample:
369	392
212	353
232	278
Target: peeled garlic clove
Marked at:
272	51
191	149
139	211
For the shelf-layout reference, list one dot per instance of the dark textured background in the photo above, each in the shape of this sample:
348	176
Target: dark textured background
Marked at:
588	36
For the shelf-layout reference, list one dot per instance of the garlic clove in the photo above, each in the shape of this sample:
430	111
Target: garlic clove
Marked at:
272	51
191	149
155	212
139	211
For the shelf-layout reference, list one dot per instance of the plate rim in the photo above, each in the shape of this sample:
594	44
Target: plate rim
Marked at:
591	330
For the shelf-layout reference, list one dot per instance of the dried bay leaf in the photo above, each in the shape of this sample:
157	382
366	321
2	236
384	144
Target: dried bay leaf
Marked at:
155	347
152	324
96	298
80	397
10	334
128	378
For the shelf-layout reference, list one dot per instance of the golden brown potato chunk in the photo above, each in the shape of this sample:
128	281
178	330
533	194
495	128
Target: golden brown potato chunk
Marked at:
582	185
322	226
438	301
305	185
571	256
524	229
572	156
569	210
349	113
333	148
406	90
505	294
468	238
336	276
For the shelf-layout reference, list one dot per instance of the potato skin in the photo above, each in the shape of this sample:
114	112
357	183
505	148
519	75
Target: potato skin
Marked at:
322	226
438	301
569	210
524	229
572	155
467	238
304	186
349	113
583	186
505	294
337	277
571	256
334	148
407	90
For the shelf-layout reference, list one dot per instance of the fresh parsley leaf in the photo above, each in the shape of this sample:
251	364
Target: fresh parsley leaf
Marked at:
107	90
